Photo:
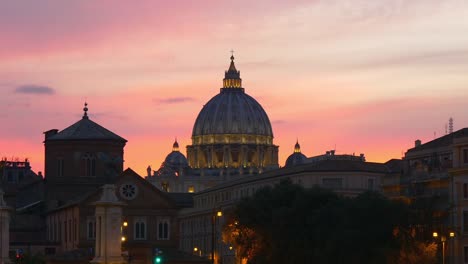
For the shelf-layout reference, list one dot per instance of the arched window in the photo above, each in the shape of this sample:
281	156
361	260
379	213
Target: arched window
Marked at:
88	165
140	228
163	229
91	228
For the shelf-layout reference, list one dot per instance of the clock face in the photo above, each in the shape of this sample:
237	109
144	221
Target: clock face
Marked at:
128	191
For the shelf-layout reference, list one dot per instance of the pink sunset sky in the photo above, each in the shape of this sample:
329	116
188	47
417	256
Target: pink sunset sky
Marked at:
365	76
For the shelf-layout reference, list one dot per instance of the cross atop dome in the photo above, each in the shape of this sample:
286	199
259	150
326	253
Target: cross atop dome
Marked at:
232	75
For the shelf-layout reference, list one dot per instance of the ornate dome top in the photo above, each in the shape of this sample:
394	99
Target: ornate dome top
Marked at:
232	111
297	157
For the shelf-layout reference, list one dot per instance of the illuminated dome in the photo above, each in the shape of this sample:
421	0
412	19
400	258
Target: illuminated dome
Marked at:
297	157
232	131
232	111
175	159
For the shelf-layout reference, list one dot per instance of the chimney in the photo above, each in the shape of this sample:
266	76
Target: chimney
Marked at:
417	143
50	133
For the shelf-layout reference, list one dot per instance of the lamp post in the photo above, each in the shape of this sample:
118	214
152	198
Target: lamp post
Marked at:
443	239
214	215
197	251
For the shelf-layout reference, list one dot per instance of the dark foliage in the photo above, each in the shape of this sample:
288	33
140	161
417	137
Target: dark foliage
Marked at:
290	224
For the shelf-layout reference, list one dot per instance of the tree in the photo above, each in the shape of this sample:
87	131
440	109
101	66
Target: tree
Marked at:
289	224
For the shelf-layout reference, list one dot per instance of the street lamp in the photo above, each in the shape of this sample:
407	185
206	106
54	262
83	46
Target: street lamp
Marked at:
213	231
443	239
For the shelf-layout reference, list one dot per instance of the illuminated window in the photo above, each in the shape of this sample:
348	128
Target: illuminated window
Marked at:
165	186
191	189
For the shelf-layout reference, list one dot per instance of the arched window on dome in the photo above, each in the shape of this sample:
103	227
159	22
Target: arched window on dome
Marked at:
165	186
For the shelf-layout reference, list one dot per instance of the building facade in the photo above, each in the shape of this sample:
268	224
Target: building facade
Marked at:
201	225
436	174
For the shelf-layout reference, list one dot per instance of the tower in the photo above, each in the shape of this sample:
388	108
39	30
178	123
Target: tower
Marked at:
79	159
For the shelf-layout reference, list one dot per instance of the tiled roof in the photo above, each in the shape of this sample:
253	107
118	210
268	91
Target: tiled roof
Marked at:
85	129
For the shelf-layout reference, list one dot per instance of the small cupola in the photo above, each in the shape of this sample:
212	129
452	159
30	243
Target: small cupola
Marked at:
175	146
297	147
232	76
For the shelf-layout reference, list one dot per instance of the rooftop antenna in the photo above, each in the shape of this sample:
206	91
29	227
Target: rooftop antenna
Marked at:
450	125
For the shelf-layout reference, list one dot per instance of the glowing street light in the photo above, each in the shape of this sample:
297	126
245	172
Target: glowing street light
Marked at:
443	239
213	232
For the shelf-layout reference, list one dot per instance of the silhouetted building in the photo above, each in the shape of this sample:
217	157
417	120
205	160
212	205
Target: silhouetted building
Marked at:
79	159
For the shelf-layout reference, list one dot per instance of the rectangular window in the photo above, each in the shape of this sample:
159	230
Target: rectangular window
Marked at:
56	237
465	156
65	231
91	228
70	230
140	228
465	222
163	229
370	183
332	183
75	230
60	167
465	190
59	231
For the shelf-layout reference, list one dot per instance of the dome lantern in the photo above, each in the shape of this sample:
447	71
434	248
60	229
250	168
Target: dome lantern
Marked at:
175	146
232	77
297	147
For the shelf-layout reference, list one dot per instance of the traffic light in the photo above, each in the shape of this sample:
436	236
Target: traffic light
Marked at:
19	255
157	256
